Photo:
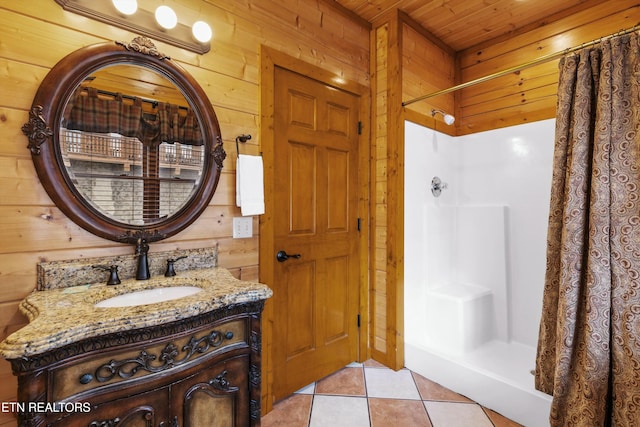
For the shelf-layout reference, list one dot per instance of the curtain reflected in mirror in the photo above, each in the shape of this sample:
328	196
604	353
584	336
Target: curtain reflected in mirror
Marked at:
136	156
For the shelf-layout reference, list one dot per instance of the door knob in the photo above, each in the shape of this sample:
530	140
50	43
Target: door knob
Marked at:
282	256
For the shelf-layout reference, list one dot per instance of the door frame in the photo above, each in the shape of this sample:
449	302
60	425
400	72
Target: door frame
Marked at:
270	59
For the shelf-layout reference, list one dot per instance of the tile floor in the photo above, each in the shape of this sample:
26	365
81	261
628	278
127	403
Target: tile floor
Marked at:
371	395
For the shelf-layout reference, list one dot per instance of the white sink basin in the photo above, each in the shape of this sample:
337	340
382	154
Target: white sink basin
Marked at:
149	296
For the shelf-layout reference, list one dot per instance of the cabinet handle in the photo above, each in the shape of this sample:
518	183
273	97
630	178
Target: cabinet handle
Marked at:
174	423
228	335
105	423
220	381
86	378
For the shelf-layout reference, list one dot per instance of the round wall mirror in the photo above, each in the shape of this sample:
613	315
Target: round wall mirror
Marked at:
125	141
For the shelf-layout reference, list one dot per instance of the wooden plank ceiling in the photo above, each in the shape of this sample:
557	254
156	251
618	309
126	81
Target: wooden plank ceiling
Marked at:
462	24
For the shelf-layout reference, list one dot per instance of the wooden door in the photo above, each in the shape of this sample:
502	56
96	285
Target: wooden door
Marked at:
315	330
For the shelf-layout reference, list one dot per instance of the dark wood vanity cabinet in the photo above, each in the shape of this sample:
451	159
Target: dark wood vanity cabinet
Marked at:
202	371
218	395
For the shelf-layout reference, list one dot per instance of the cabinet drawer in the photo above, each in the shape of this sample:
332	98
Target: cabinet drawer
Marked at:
148	359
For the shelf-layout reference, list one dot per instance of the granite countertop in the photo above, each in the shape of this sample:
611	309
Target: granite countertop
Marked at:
58	317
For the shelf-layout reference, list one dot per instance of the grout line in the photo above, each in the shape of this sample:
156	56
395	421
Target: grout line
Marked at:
366	394
313	398
413	378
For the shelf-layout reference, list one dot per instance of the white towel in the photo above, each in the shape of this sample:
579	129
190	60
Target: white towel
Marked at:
250	185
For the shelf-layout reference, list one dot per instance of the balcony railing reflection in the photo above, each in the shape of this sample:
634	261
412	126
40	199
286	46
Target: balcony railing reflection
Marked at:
114	148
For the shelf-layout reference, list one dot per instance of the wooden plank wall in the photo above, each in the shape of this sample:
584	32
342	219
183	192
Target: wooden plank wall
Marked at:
528	95
36	34
427	66
378	293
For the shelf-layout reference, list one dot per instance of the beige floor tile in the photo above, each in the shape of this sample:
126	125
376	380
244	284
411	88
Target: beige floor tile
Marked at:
455	414
390	384
339	411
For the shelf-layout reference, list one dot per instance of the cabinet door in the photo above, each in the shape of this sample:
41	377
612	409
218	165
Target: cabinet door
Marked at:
218	396
148	409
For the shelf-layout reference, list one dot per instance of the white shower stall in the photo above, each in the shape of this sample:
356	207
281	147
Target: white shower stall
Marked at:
475	262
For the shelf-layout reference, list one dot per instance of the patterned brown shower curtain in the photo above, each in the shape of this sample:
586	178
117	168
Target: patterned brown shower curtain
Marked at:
589	344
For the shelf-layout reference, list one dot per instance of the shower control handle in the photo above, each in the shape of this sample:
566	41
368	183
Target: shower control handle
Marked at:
282	256
437	186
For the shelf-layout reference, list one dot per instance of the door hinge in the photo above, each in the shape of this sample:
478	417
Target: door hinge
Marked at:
359	127
359	223
358	320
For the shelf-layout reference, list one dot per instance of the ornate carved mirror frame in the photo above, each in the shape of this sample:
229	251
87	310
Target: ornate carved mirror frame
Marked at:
43	131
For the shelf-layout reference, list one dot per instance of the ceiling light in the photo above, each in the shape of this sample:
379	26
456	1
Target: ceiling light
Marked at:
126	7
201	31
166	17
144	22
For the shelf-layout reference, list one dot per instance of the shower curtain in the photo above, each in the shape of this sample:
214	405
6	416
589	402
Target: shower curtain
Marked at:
589	343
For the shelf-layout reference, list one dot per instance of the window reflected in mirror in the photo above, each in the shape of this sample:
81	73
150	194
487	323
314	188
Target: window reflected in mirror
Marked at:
136	156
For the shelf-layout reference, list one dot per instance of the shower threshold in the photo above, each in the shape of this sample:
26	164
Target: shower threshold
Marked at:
496	375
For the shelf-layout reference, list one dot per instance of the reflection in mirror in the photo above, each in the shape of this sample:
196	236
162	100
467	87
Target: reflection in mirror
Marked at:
125	141
131	144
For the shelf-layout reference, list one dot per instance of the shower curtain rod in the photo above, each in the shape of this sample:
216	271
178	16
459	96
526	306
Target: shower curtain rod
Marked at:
537	61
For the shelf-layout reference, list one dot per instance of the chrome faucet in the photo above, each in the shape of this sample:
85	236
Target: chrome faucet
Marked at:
142	249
